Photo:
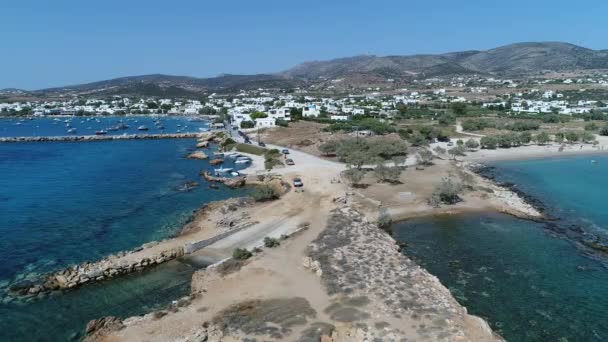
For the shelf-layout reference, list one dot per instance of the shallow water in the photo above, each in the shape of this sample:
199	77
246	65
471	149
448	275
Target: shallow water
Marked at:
65	203
46	126
529	279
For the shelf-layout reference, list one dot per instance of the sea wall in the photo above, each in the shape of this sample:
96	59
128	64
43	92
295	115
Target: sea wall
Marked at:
109	267
87	138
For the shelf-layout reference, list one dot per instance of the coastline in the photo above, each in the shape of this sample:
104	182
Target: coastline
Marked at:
271	218
293	271
536	152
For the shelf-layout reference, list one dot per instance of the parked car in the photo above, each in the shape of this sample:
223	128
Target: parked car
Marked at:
261	143
289	162
450	144
297	182
285	151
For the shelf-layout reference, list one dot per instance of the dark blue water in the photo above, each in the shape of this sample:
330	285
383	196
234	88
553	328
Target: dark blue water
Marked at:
531	280
65	203
47	126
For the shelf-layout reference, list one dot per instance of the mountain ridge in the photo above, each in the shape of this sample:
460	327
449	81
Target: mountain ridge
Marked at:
513	59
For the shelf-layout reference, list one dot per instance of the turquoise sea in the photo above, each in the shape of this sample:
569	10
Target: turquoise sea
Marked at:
65	203
533	281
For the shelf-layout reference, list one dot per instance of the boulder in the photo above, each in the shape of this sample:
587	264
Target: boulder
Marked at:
216	161
197	155
105	324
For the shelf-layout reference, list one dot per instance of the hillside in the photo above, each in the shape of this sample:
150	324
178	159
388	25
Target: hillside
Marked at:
518	58
514	59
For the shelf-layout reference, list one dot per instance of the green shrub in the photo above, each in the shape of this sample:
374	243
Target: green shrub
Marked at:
471	144
247	124
446	192
264	193
241	254
384	220
591	126
271	242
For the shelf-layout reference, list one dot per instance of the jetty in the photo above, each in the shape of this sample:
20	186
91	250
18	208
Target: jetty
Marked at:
87	138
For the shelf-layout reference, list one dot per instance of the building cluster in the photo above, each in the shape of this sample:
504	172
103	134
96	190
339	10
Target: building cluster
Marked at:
114	106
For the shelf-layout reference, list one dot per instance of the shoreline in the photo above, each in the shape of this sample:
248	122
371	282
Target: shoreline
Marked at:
532	152
329	190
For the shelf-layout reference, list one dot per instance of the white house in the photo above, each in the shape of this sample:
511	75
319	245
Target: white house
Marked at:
358	111
281	113
339	117
311	110
238	117
265	122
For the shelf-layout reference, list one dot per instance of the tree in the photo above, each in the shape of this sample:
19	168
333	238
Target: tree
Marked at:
439	150
591	126
417	139
258	115
446	192
264	193
329	147
424	157
459	108
488	142
572	136
471	144
525	137
587	137
354	176
399	160
387	174
457	151
207	111
447	119
247	124
604	131
542	138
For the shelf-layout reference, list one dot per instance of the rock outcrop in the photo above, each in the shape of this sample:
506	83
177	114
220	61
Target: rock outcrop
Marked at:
197	155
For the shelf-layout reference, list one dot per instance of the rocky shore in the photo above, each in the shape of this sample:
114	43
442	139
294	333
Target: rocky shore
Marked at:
87	138
514	201
88	272
363	268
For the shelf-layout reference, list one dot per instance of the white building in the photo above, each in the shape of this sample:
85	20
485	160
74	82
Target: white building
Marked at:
339	117
265	122
281	113
311	110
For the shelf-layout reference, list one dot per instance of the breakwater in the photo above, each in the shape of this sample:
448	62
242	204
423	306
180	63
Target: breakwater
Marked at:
87	138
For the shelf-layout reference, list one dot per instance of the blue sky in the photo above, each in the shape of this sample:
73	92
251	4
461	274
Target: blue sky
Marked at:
61	42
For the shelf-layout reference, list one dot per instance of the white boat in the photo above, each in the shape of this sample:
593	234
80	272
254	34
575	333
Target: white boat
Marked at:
223	170
72	130
232	155
235	174
243	161
142	128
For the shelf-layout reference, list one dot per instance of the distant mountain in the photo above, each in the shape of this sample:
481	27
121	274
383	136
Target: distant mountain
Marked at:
176	86
518	58
514	59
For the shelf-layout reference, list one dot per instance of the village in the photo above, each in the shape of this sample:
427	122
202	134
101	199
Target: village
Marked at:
266	108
